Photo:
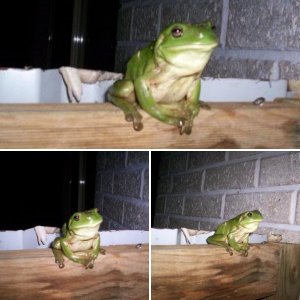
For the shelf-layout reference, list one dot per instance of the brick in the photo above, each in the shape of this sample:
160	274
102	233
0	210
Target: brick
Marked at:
127	183
220	67
123	54
106	182
187	183
192	11
136	216
242	154
185	223
298	210
164	185
274	206
203	206
110	160
138	158
249	28
289	70
116	226
280	170
161	221
145	22
174	11
174	205
113	208
177	162
209	225
124	22
145	187
160	205
288	236
204	158
234	176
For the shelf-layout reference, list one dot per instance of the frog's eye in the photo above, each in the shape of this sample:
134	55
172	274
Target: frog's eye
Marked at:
249	214
177	32
76	217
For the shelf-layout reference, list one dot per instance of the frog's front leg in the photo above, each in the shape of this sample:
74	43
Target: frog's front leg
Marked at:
240	247
219	240
57	252
172	113
122	95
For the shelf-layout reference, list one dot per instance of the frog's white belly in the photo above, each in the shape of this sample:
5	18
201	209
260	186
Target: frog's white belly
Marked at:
172	90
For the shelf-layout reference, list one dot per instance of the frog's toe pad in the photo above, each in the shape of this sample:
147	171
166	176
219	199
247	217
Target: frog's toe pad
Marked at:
138	126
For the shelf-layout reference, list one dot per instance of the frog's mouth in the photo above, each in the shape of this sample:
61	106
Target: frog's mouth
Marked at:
87	230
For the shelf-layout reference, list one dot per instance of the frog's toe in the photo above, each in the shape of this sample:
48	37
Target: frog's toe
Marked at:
137	125
128	117
61	264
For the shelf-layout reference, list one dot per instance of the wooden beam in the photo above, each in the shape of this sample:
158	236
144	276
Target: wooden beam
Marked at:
226	125
209	272
32	274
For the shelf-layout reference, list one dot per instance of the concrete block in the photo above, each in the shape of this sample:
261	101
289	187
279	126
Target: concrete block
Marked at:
161	221
106	182
124	23
186	183
280	170
145	22
289	70
248	26
113	208
164	185
160	205
274	206
177	162
174	205
203	206
204	158
136	216
242	154
137	158
236	176
186	223
173	12
127	183
145	187
221	67
297	219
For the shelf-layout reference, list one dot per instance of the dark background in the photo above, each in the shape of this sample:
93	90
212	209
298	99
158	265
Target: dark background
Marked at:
38	33
41	188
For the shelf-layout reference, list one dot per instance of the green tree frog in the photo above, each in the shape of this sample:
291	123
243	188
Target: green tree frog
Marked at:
80	241
235	232
164	77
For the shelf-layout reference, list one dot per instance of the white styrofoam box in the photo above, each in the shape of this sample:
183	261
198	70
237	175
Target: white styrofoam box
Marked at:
38	86
17	240
231	89
176	237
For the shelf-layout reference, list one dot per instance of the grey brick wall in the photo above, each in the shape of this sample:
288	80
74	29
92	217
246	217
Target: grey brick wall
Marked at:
202	189
258	39
122	189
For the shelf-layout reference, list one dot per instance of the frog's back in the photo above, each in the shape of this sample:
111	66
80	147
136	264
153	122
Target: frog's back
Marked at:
140	63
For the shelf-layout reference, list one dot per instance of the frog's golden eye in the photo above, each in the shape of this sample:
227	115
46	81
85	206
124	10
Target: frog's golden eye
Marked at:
177	32
77	217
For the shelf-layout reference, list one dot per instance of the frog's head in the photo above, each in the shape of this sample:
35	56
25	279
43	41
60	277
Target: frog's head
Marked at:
86	223
250	220
186	46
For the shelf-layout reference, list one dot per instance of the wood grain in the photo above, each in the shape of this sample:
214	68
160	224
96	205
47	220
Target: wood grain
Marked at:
32	274
225	125
209	272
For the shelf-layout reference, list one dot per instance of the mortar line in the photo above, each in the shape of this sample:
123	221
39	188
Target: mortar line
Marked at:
224	23
292	216
256	173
